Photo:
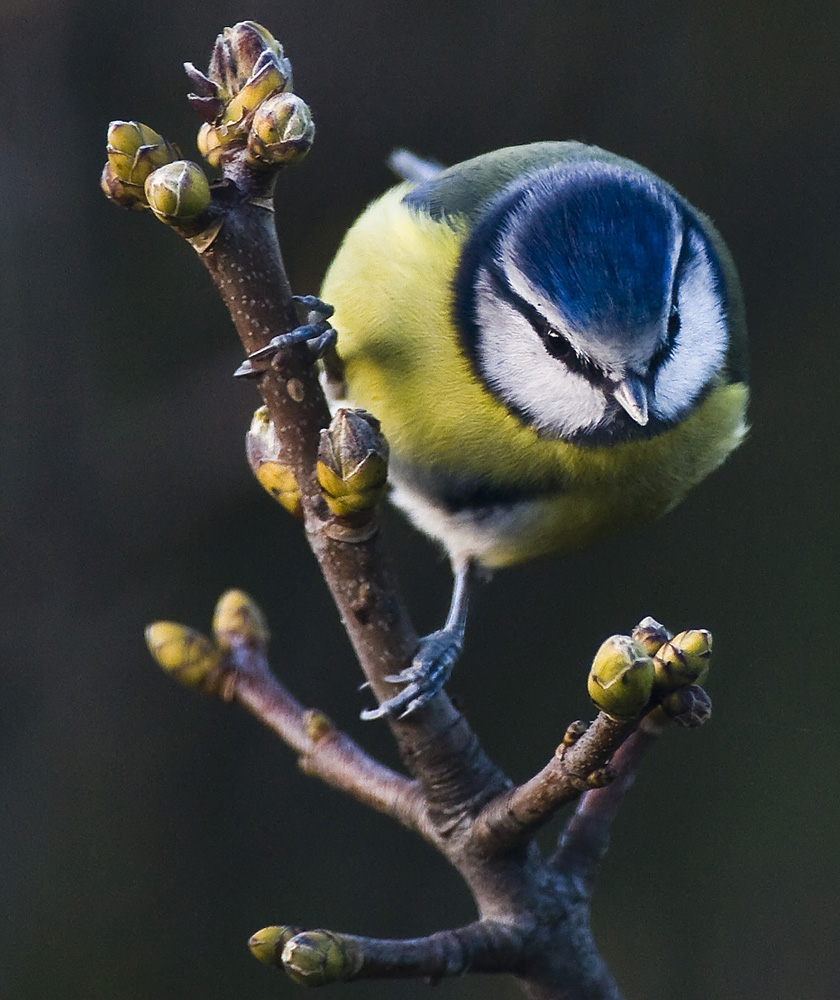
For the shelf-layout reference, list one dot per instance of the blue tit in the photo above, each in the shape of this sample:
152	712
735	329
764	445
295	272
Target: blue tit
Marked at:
554	341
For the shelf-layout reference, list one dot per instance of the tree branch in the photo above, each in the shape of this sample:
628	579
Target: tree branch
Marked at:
587	834
534	916
324	751
578	765
316	958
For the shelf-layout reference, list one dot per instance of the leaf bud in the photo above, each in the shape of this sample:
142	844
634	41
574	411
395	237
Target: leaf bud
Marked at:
317	724
573	733
683	660
650	635
242	51
267	944
268	77
621	678
282	130
352	467
125	195
263	448
135	150
315	958
237	619
190	657
179	190
215	142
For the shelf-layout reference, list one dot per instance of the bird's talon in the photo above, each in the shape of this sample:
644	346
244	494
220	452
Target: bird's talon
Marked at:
316	334
369	714
319	346
321	310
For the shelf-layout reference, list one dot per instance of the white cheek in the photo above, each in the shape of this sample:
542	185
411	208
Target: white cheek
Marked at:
518	368
700	346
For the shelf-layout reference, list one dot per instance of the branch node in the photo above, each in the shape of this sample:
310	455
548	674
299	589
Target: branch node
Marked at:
318	726
573	733
205	239
599	778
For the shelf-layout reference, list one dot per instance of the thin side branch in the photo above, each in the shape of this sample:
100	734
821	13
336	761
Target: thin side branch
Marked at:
511	819
587	834
324	751
319	957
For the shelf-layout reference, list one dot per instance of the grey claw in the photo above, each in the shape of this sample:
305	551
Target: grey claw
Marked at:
319	345
369	714
311	302
247	370
317	334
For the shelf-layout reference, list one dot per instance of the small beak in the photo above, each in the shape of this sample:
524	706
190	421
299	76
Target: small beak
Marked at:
630	393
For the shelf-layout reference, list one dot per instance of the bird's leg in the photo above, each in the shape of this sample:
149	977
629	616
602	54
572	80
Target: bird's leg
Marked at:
316	333
435	656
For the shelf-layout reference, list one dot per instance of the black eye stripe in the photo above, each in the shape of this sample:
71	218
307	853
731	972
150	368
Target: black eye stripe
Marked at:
556	345
673	321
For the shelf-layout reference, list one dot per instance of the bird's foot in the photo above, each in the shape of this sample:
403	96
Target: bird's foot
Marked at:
429	671
316	333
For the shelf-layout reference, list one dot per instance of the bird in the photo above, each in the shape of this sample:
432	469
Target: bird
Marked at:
554	342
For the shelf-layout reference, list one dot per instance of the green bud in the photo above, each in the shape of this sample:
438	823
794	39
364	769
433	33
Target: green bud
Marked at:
135	150
352	467
179	190
263	447
237	619
600	777
315	958
282	130
262	85
214	141
250	79
187	655
125	195
683	660
688	706
621	678
267	945
650	635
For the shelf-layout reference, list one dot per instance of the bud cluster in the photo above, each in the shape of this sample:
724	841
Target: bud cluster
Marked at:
250	116
144	170
246	101
633	672
195	660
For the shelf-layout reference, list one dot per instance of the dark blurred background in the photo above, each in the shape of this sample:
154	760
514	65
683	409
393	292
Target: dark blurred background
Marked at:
146	831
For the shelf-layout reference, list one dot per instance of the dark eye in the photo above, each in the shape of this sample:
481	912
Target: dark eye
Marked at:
673	321
556	344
